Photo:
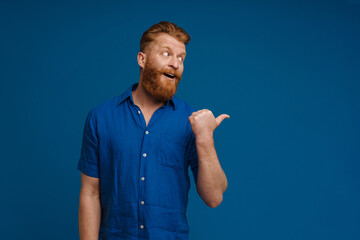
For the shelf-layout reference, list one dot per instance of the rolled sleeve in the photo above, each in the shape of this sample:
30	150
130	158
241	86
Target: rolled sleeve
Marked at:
89	156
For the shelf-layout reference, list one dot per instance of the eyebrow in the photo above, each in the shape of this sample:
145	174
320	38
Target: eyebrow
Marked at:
183	53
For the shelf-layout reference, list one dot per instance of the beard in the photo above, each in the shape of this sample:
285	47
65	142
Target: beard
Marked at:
163	89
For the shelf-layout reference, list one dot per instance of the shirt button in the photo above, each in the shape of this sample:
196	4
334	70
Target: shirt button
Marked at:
141	226
142	178
147	132
142	202
144	154
139	112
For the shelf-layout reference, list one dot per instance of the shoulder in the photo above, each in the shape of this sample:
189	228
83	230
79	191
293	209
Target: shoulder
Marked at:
183	106
103	108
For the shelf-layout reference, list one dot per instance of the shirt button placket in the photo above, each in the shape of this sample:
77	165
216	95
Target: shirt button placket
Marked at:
142	202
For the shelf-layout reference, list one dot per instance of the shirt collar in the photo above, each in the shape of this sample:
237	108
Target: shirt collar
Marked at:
128	94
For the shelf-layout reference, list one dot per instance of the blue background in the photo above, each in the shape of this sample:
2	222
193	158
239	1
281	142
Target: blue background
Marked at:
287	72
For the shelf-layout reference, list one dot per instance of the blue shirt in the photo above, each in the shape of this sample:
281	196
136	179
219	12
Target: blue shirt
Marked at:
143	170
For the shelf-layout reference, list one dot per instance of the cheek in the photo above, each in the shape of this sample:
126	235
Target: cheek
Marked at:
156	62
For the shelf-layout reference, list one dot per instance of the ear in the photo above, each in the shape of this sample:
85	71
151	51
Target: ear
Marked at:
141	59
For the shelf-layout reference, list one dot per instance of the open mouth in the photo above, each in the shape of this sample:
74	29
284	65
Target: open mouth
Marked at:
169	75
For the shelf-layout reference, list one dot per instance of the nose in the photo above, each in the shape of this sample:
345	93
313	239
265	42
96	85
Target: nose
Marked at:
174	63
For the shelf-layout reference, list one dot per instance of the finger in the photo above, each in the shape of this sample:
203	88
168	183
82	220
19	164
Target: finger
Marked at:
220	118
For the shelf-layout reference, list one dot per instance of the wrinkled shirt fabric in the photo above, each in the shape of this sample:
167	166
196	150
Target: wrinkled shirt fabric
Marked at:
143	170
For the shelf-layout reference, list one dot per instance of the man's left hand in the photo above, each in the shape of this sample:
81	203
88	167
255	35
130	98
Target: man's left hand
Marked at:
203	122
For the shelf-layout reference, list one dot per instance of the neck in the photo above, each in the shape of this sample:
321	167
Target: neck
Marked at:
144	100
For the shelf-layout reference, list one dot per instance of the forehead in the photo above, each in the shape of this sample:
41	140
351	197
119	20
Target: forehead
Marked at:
165	40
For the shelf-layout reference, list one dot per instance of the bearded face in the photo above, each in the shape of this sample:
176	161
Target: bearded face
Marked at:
160	83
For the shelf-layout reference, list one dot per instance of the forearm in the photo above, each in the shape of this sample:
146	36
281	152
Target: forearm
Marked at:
89	217
211	179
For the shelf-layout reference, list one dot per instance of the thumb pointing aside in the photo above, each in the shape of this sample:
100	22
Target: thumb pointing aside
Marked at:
220	118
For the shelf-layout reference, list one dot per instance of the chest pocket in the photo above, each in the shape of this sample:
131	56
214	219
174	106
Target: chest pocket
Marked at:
173	152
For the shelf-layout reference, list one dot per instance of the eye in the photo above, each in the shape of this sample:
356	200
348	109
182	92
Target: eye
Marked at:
165	54
181	59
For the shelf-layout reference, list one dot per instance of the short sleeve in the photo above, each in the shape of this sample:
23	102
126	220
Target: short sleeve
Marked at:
193	157
89	156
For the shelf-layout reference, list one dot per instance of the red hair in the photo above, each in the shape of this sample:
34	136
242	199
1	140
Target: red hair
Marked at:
163	27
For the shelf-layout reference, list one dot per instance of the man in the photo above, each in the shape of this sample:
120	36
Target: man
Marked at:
137	148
